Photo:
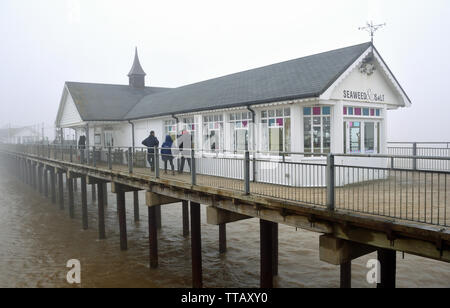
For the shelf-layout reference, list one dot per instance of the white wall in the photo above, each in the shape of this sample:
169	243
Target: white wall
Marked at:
69	114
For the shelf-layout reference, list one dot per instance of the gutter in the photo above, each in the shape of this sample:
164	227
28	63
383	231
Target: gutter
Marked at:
177	120
253	141
132	133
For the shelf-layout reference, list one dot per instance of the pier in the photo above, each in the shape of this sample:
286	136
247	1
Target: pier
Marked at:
360	204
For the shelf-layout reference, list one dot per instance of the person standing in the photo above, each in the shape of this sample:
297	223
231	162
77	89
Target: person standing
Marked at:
166	154
151	142
81	147
185	144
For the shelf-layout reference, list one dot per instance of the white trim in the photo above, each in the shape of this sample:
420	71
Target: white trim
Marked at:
327	94
380	61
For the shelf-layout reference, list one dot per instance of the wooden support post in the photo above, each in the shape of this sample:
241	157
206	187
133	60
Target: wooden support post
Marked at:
136	205
84	209
30	174
45	175
346	275
222	238
25	171
71	197
105	194
33	175
196	246
153	238
185	209
120	194
53	185
39	178
94	193
266	247
387	259
61	190
158	216
275	249
101	212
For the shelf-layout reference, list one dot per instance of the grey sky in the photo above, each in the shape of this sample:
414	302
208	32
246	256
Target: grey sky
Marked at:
47	42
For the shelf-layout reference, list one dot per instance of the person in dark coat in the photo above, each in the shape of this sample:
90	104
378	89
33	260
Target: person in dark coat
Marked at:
151	142
166	154
82	143
81	147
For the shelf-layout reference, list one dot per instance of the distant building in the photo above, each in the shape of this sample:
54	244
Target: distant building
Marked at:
20	135
336	101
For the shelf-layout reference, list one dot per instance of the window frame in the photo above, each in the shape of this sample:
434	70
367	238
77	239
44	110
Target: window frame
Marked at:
266	119
213	119
311	117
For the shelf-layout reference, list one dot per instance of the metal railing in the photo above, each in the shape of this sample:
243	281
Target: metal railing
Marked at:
370	184
424	149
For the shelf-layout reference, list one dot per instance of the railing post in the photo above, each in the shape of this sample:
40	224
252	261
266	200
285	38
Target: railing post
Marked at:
330	182
71	154
193	168
94	161
156	162
392	162
247	173
130	160
109	158
48	151
55	155
414	154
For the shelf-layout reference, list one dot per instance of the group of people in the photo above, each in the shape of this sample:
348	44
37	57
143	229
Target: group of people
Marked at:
169	150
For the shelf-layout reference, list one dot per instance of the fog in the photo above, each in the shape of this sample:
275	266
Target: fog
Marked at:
45	43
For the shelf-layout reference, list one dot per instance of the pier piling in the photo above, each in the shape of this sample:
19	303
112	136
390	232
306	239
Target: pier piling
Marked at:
158	216
266	249
136	205
387	259
346	275
45	175
61	189
39	178
196	246
120	194
153	238
275	249
222	238
71	197
101	212
84	210
53	184
105	194
185	211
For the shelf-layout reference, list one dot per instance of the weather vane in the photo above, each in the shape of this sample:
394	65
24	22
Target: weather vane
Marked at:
371	28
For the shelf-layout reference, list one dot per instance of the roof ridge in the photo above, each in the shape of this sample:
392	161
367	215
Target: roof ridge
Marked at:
112	84
278	63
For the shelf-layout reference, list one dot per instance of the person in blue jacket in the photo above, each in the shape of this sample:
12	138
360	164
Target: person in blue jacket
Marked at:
166	154
151	142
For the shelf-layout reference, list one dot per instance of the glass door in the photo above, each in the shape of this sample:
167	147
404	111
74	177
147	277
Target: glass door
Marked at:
362	137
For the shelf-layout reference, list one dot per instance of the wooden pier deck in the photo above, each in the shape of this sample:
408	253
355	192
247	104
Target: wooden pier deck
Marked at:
405	211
